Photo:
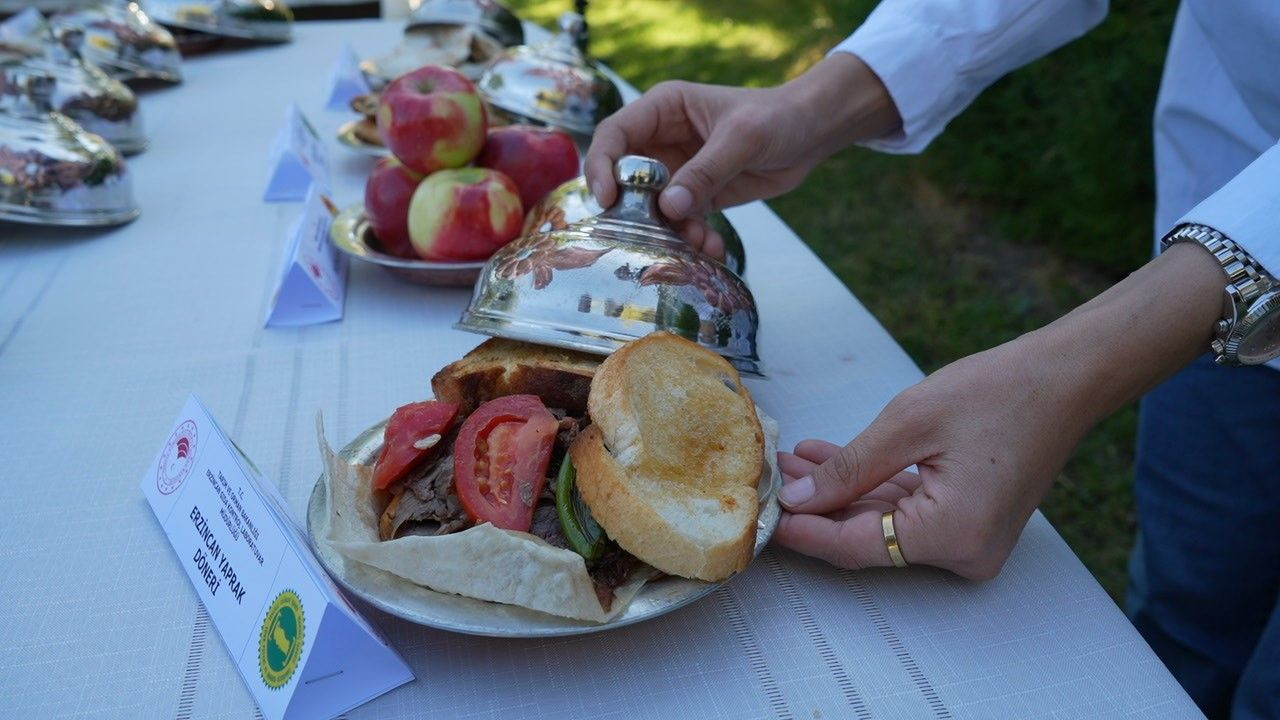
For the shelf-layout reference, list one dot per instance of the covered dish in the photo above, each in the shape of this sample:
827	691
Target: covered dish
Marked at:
261	20
122	39
488	16
614	277
82	92
572	202
463	47
53	172
551	83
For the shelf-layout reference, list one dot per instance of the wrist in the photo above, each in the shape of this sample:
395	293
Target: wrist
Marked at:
1127	340
844	102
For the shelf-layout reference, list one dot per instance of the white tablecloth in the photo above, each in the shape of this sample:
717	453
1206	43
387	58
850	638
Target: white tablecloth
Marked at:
104	333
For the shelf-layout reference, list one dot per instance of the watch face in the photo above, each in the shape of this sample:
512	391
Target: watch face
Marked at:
1261	341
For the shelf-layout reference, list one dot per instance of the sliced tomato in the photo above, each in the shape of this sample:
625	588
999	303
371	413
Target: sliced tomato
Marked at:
409	426
500	460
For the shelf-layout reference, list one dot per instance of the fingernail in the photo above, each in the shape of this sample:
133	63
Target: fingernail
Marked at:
597	189
678	201
796	492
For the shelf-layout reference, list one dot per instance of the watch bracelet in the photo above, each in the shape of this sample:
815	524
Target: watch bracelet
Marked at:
1246	282
1242	270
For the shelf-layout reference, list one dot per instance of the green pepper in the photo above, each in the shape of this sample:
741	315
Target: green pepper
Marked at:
581	530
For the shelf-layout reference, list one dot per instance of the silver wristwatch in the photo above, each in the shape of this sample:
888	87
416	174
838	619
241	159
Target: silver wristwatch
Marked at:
1249	331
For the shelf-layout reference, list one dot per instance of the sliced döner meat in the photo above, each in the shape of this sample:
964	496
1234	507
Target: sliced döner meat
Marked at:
426	504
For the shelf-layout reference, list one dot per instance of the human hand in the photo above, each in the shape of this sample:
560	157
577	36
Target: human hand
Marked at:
725	145
988	435
990	432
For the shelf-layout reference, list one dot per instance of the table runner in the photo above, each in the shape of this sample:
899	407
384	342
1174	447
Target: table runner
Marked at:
103	333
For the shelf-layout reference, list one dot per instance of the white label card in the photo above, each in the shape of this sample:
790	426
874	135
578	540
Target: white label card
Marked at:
346	80
313	275
298	160
301	648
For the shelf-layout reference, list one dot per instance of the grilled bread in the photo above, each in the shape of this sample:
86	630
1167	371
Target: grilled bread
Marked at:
497	367
671	462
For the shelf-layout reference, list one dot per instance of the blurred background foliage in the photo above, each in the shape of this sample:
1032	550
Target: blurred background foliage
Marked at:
1035	199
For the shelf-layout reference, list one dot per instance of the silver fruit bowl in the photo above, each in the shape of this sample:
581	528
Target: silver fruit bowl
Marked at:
353	235
551	83
83	92
572	202
53	172
608	279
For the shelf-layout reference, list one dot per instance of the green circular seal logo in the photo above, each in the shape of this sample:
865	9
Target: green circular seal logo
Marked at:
280	644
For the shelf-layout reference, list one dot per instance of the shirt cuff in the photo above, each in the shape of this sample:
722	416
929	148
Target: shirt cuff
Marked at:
916	90
1247	210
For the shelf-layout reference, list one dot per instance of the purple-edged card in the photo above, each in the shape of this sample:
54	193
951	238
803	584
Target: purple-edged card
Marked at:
299	160
302	649
346	80
313	274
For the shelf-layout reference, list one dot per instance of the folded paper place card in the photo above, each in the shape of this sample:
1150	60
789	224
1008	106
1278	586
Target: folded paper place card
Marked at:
298	160
313	274
301	648
346	80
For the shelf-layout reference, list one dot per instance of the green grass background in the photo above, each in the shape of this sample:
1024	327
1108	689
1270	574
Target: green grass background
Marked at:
1038	197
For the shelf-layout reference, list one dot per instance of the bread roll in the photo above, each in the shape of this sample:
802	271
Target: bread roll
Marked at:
671	462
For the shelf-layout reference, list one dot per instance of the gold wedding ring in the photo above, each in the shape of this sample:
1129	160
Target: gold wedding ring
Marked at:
891	539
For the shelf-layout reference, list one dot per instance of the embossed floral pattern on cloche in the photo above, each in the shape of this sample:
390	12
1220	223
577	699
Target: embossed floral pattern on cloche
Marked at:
550	218
34	171
702	274
542	257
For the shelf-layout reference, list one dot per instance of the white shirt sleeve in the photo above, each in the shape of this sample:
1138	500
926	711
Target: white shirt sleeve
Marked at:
936	56
1247	210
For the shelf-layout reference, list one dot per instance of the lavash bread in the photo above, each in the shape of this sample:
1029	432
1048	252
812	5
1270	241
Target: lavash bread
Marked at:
497	367
519	569
670	464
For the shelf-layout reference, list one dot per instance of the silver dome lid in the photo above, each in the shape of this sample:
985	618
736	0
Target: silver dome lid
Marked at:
614	277
53	172
492	18
551	83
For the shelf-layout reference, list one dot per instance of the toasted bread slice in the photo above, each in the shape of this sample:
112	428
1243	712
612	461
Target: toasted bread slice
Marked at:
497	367
671	463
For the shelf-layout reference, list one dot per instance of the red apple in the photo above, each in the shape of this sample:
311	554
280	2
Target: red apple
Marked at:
386	200
537	159
431	119
464	214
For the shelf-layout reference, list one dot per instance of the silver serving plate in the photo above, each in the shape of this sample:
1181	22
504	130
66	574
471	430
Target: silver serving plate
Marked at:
260	20
478	617
551	83
352	234
573	201
609	279
83	92
348	138
490	17
122	39
52	172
